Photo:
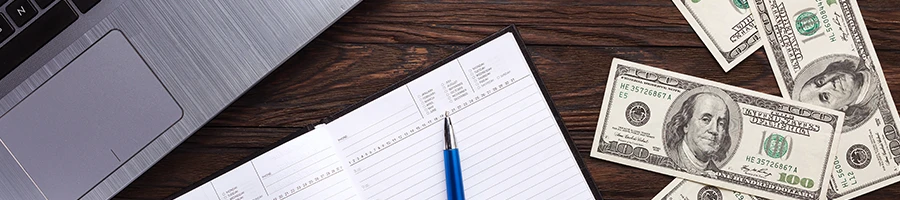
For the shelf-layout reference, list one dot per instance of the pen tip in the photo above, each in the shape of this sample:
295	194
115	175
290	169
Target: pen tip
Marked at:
446	114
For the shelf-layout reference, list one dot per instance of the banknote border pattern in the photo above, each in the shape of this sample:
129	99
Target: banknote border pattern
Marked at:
727	55
672	191
766	20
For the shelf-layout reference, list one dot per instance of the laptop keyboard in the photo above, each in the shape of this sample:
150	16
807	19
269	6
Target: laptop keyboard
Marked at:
20	11
27	29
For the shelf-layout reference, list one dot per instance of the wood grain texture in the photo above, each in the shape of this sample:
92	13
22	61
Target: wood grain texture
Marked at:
572	43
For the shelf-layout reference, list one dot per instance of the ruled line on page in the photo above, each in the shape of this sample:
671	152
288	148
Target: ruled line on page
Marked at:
410	114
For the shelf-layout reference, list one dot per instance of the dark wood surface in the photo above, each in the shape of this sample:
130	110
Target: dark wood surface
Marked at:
572	43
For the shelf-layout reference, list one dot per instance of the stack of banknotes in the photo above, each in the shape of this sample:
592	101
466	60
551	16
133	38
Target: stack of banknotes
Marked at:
833	134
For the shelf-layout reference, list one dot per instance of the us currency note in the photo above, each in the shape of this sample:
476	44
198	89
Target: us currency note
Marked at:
715	134
821	53
725	27
681	189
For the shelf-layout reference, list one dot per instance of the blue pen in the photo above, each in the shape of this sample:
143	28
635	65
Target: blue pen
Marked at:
451	162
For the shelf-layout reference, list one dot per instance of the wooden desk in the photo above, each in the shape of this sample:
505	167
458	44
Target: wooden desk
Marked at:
572	43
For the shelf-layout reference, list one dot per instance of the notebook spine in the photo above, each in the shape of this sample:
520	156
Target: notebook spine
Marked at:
325	120
310	127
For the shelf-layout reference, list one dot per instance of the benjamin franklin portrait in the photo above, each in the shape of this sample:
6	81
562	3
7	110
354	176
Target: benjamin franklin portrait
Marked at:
841	83
702	129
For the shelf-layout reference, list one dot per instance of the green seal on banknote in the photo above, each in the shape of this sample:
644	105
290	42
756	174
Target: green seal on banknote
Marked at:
776	146
741	4
807	23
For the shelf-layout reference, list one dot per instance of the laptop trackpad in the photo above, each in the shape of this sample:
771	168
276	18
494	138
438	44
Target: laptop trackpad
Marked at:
88	119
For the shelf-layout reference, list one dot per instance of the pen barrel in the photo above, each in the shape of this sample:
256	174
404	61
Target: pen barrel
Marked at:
454	175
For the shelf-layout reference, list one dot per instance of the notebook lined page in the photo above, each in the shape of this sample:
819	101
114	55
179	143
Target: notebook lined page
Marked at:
508	139
303	168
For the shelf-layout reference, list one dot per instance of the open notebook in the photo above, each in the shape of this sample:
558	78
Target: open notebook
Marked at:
511	140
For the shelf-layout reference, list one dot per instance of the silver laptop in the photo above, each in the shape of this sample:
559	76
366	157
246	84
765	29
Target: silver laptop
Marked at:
94	92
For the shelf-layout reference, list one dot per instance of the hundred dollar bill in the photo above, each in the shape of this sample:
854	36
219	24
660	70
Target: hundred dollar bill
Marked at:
715	134
821	53
681	189
725	27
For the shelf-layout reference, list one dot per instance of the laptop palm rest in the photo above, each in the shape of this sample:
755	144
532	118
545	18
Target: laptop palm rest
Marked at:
88	119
